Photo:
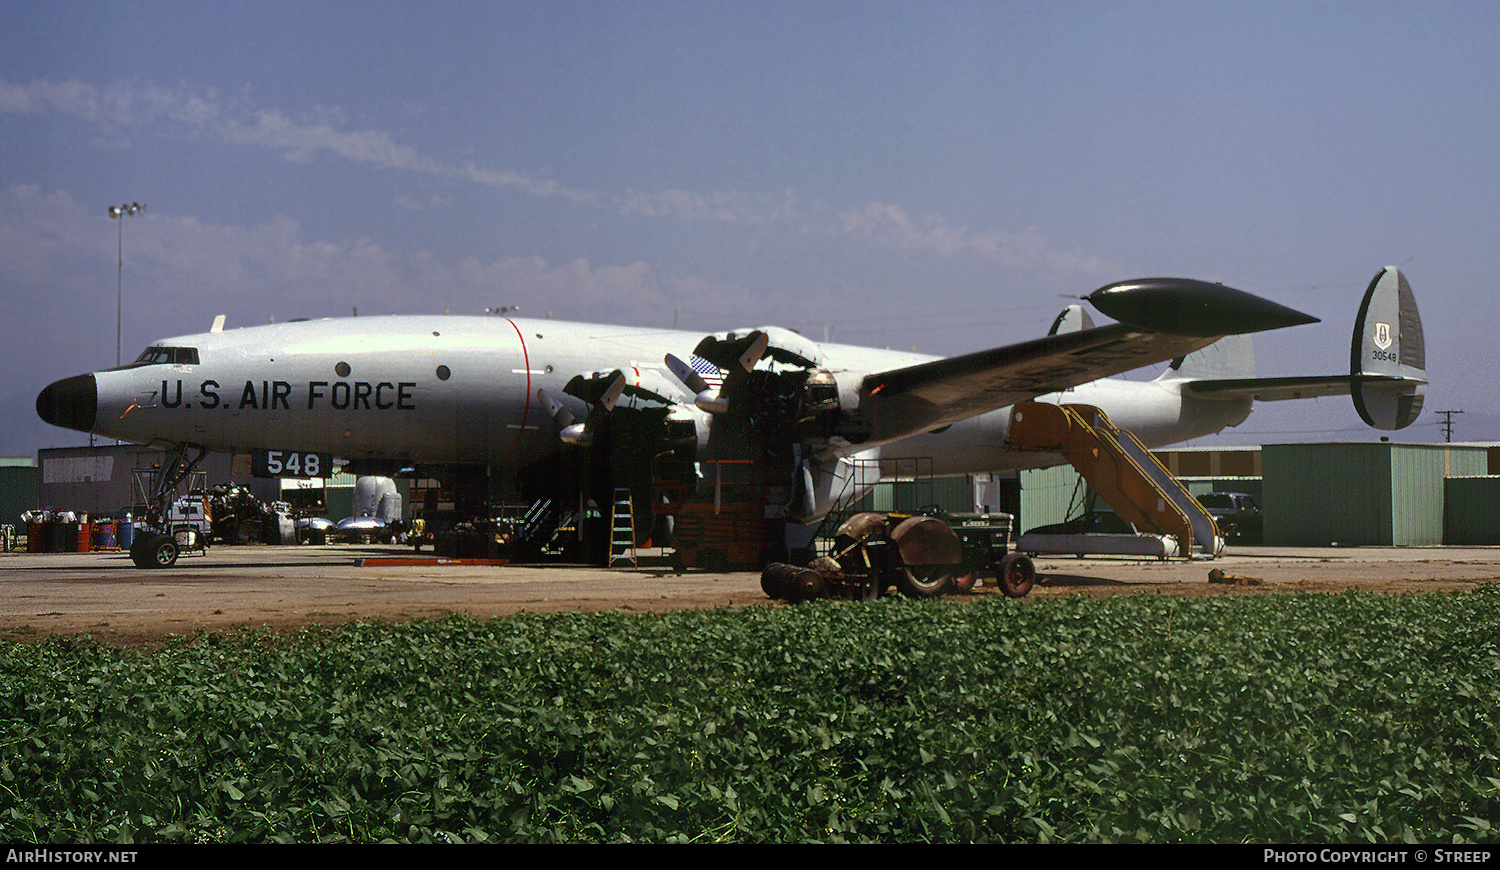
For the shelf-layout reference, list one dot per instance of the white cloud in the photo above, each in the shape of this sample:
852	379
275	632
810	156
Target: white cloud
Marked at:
61	260
239	122
893	227
718	206
299	141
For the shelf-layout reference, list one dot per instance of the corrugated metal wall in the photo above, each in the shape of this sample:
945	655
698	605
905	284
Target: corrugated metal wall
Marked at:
1319	494
1377	494
1469	515
101	480
1050	495
955	494
1226	462
20	491
1370	494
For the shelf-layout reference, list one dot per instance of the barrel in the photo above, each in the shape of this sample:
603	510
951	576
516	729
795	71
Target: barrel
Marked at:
104	535
62	537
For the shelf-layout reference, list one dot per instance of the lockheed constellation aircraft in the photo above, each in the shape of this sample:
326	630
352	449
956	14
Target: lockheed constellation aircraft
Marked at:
524	400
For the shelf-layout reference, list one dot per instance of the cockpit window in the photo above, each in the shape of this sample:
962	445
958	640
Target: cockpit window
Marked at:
156	356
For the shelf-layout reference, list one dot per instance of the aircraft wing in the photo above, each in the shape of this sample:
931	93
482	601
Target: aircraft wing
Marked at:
930	395
1161	318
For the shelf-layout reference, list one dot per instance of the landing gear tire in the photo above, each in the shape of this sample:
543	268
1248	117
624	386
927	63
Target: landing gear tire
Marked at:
154	551
140	549
925	581
1017	575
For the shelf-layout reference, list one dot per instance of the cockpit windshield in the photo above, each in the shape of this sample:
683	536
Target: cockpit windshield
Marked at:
158	355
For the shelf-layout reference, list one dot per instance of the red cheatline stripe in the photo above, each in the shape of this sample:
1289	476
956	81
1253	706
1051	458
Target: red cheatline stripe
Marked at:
526	413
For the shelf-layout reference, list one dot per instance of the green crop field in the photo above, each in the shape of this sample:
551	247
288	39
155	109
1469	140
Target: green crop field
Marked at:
1248	718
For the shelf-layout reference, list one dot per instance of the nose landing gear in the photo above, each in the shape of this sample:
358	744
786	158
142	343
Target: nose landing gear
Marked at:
160	546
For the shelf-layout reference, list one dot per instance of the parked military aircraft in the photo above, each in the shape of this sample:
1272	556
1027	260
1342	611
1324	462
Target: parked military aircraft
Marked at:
552	409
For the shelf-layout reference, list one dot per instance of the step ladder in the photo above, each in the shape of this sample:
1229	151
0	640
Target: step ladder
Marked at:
622	531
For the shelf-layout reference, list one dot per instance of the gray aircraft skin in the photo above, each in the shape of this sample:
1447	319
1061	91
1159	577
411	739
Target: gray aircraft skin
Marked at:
504	392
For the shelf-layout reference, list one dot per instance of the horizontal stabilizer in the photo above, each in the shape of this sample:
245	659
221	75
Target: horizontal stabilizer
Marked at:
1272	389
1387	368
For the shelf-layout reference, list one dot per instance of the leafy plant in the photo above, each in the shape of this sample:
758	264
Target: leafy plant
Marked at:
1285	718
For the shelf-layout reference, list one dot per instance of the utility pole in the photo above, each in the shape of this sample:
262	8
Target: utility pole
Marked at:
1448	424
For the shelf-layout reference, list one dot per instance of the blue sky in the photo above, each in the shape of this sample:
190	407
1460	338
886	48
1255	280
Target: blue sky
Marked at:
937	176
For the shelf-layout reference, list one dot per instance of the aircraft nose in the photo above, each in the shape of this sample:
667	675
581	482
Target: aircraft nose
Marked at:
70	403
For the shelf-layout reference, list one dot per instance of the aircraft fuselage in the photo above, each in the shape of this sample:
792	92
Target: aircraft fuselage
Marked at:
464	390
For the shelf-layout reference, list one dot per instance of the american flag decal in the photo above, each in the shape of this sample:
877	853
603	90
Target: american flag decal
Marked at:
712	374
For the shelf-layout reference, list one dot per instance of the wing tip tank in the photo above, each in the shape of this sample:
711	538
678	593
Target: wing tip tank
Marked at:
1183	306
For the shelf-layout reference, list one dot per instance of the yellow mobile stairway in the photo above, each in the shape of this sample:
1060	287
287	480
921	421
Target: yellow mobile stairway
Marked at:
1121	470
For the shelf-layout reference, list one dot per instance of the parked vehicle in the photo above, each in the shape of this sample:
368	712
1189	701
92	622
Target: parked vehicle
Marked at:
1237	515
1097	532
1095	522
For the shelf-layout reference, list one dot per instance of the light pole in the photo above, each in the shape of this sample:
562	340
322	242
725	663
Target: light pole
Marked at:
120	212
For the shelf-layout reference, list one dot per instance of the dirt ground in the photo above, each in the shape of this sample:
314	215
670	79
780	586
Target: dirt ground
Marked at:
101	594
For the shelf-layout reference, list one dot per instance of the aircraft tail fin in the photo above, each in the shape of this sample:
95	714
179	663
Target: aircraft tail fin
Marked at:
1232	356
1074	318
1388	355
